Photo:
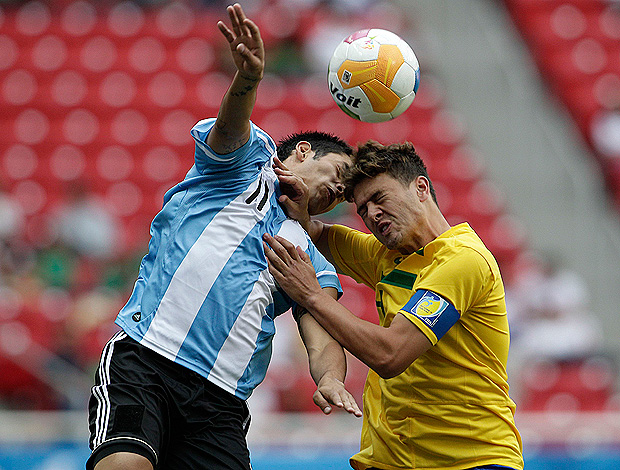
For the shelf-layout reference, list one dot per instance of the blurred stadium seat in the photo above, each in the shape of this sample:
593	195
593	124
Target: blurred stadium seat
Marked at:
577	48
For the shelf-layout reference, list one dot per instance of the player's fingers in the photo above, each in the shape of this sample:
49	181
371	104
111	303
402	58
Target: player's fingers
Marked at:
302	255
321	402
276	251
234	19
243	28
279	164
253	29
288	246
350	405
292	185
275	264
284	176
291	179
253	61
228	34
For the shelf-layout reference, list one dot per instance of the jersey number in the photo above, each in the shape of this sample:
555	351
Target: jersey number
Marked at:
255	194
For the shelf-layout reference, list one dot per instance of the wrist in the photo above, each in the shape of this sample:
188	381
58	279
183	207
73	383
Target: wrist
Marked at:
306	222
314	228
330	376
249	78
313	301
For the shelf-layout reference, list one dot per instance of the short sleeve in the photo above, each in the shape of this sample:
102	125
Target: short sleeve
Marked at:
325	271
355	253
258	149
460	278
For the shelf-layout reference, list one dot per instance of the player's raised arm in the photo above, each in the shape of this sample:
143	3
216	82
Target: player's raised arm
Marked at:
232	128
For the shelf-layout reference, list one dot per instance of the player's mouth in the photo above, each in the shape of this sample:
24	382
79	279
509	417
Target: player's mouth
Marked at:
384	228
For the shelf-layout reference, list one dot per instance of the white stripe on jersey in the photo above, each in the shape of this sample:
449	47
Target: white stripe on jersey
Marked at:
196	274
269	143
294	233
240	345
100	392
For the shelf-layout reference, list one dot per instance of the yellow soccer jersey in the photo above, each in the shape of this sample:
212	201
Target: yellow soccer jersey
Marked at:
450	409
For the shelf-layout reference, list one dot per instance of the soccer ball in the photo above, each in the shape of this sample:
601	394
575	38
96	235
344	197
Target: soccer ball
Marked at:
373	75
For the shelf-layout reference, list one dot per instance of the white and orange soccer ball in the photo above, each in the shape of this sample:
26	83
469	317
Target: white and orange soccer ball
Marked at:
373	75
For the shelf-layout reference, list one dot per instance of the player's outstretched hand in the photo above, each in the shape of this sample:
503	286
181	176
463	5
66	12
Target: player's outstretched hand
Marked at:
332	392
246	44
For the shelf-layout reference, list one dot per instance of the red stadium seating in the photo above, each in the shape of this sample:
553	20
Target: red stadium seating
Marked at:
581	385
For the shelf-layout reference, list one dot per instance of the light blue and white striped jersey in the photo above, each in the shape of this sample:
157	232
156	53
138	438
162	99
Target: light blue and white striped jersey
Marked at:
204	297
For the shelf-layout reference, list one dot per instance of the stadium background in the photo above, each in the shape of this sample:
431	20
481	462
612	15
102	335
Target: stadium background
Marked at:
96	103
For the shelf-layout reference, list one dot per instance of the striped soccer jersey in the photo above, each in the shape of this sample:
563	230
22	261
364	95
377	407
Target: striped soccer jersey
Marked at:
204	297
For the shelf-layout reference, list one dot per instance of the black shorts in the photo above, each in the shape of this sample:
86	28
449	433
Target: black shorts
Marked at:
148	405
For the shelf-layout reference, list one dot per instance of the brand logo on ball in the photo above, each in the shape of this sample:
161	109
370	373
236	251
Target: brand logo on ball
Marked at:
338	95
346	77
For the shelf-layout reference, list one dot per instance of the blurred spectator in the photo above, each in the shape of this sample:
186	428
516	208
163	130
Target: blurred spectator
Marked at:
89	326
56	265
16	257
86	225
550	316
350	6
11	217
327	34
286	60
289	365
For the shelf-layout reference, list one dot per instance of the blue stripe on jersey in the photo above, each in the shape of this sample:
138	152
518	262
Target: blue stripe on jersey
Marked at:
255	373
205	296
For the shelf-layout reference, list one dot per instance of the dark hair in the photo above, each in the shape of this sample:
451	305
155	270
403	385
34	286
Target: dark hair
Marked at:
400	161
322	143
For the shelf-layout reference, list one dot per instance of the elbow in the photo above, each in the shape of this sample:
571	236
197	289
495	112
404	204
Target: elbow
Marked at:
388	371
390	364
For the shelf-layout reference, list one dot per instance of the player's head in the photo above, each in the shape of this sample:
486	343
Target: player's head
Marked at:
321	160
393	195
400	161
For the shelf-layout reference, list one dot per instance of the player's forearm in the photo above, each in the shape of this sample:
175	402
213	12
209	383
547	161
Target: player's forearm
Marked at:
232	127
325	356
367	341
329	362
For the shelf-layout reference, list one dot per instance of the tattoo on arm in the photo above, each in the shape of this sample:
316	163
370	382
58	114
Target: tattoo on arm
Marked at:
221	126
234	145
243	91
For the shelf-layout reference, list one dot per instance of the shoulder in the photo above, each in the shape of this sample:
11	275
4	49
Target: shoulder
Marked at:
462	242
259	141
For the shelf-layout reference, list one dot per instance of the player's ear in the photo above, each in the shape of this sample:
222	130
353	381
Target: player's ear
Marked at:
422	187
302	150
